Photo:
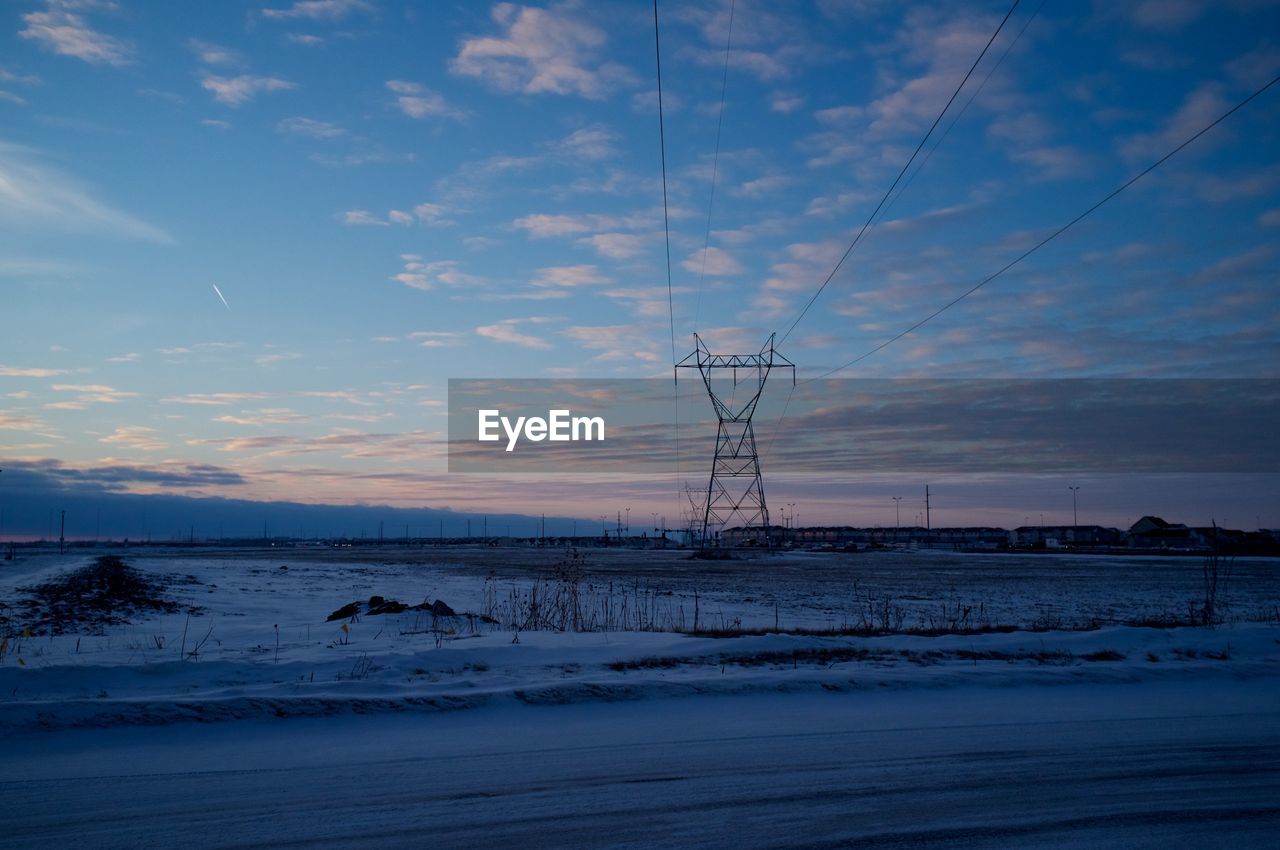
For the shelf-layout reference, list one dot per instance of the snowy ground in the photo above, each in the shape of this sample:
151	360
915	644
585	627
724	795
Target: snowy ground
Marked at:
399	728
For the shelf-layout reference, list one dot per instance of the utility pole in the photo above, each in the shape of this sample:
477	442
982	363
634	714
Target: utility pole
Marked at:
62	533
928	519
897	516
1075	517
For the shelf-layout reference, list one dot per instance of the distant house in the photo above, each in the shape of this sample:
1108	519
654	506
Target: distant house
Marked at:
1152	532
1053	536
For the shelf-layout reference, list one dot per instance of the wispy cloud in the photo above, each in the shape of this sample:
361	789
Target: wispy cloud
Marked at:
35	195
418	101
560	276
20	422
276	357
236	91
212	399
209	53
299	126
541	51
418	274
59	28
714	261
318	10
136	437
29	372
508	331
424	213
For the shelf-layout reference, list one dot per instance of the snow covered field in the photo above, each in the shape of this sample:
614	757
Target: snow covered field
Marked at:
926	698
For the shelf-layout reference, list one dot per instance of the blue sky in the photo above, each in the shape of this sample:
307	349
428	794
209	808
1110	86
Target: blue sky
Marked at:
389	195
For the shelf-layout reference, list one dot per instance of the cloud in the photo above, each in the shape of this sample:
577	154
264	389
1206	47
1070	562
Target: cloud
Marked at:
235	91
20	422
25	372
437	339
212	399
362	217
213	54
1054	162
616	246
131	357
1200	107
1166	15
422	275
785	103
216	124
626	343
418	101
507	331
33	194
589	143
61	30
87	394
424	213
429	212
713	261
543	225
299	126
276	357
584	275
761	186
263	416
135	437
541	51
318	10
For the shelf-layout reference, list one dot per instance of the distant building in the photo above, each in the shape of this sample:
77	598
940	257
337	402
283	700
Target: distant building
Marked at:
1152	532
1056	536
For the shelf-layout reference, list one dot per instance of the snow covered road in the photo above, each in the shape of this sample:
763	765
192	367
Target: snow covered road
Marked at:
1156	765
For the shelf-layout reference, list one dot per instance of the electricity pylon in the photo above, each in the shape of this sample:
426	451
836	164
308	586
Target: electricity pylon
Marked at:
736	487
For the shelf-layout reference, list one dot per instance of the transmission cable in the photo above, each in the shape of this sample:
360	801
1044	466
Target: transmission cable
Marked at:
666	228
897	179
1052	236
951	124
715	167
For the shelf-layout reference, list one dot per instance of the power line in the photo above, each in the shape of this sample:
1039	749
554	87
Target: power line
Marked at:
956	120
715	167
666	229
897	179
662	147
1052	236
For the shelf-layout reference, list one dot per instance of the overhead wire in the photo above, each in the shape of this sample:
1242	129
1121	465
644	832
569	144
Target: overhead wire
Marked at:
857	239
715	167
870	223
1052	236
666	227
956	119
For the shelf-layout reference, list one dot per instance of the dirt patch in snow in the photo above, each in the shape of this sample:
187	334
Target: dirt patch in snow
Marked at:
107	592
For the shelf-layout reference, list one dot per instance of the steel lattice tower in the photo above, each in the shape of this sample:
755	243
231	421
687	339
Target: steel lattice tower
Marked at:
736	487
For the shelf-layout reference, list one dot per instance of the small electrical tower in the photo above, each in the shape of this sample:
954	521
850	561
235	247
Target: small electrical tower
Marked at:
736	488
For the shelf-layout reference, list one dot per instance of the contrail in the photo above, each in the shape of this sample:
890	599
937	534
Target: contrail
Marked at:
221	298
